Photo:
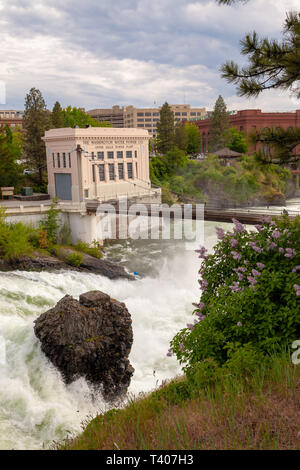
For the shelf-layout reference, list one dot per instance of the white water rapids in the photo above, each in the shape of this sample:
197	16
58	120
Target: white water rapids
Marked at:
36	407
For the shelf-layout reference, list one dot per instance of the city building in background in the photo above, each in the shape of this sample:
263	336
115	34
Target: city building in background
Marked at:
11	117
145	118
250	120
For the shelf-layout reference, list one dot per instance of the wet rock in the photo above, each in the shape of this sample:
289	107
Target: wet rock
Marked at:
91	338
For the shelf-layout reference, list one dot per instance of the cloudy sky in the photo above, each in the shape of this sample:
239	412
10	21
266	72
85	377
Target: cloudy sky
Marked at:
97	53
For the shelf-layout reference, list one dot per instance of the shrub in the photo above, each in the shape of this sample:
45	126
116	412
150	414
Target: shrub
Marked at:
94	250
50	224
250	294
14	241
75	259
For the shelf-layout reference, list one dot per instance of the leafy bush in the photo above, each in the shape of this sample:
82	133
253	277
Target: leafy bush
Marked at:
50	224
14	241
65	235
250	294
94	250
75	259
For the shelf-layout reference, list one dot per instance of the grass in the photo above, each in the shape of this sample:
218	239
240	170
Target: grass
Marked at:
259	410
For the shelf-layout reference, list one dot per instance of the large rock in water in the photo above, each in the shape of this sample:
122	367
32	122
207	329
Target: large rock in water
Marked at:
90	338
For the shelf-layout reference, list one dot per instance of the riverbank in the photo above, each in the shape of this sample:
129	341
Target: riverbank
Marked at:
250	408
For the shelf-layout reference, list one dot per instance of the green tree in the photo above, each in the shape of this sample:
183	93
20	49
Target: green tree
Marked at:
236	141
165	129
283	142
36	121
180	137
10	152
77	117
193	138
271	63
219	125
57	116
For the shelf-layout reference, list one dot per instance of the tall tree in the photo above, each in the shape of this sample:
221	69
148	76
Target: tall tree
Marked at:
219	125
165	129
57	116
180	137
236	140
193	138
36	121
10	151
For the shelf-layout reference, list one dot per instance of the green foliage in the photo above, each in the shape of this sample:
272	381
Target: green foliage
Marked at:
14	239
236	141
50	224
77	117
10	152
219	125
165	129
283	142
180	136
94	250
75	259
64	236
271	64
193	138
250	289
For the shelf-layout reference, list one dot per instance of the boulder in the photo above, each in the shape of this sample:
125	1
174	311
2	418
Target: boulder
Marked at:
91	338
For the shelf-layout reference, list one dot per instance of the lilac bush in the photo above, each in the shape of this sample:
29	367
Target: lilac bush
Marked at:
250	288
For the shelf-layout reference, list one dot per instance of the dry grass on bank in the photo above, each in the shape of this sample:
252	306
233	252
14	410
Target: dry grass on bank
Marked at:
257	411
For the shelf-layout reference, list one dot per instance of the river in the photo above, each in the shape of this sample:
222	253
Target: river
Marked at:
36	407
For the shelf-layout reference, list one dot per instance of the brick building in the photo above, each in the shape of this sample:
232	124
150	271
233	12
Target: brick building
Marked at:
11	117
252	119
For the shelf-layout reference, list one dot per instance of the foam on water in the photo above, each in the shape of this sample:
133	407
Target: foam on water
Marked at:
36	407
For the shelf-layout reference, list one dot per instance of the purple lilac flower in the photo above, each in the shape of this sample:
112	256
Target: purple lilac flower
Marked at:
236	255
276	234
267	219
190	326
181	347
235	287
238	226
220	233
255	272
239	324
203	283
255	247
252	280
295	269
202	250
200	316
240	276
281	250
258	227
245	261
297	289
272	246
233	242
169	353
260	266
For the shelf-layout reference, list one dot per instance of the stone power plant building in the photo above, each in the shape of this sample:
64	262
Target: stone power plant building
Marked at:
98	163
144	118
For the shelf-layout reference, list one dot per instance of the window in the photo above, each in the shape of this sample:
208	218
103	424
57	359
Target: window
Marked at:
69	154
64	160
140	125
135	153
110	154
86	193
93	173
148	125
111	171
121	171
53	159
193	114
100	155
93	156
136	169
128	154
129	170
147	114
58	160
155	114
177	114
140	120
140	114
184	114
148	120
120	154
198	114
101	173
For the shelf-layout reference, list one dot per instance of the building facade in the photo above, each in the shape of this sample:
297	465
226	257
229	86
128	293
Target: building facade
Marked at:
250	120
145	118
97	163
11	117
